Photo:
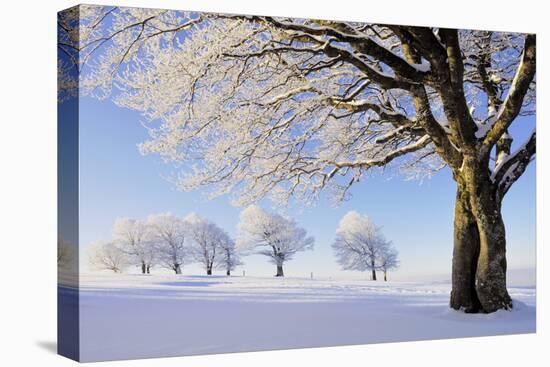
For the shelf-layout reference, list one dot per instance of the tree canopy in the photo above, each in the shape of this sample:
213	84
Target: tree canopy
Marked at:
287	107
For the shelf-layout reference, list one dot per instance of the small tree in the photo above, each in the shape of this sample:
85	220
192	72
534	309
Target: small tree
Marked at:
271	235
107	256
388	259
230	258
359	243
206	239
131	236
168	235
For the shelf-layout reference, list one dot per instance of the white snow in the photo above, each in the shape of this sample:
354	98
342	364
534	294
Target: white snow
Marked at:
134	316
506	158
484	127
423	67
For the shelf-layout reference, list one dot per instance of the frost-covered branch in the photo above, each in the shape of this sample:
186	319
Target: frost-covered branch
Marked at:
514	101
360	42
263	106
387	158
510	169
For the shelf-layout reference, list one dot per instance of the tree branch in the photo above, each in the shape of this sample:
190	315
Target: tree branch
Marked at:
379	162
423	40
440	138
363	44
513	103
511	168
452	91
483	64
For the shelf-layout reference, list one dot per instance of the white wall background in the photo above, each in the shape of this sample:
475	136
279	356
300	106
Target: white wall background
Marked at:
28	182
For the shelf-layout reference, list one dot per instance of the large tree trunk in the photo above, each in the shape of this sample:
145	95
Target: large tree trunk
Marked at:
479	255
208	270
143	266
177	268
280	272
465	256
228	273
491	264
385	276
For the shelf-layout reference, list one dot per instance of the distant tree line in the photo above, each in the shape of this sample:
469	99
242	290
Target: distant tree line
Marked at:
168	241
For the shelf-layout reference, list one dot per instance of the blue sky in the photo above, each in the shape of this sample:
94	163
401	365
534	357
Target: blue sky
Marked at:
116	181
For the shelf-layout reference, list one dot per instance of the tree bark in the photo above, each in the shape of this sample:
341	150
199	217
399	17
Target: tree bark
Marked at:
280	272
228	273
465	256
385	276
479	254
373	274
143	268
177	268
491	264
208	271
148	269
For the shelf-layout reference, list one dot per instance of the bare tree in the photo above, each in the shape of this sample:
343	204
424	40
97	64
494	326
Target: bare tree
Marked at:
388	259
168	232
107	256
290	107
271	235
359	244
131	236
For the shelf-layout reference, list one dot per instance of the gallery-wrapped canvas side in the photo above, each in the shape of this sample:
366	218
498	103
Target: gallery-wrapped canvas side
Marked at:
67	185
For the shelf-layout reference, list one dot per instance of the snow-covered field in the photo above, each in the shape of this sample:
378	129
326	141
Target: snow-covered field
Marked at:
135	316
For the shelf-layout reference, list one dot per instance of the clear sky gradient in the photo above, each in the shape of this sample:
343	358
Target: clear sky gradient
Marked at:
117	181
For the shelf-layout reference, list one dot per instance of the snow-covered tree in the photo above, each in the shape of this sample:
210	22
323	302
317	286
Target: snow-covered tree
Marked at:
167	232
388	259
359	243
132	237
271	235
211	246
206	239
107	256
284	107
229	256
